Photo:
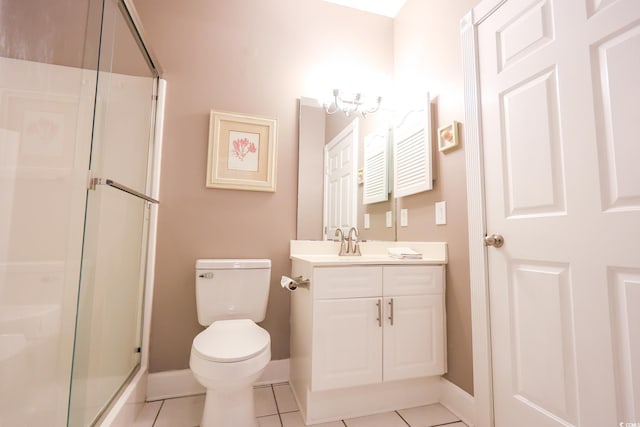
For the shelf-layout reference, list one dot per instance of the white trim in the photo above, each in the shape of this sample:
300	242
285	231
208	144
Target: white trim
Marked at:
179	383
352	402
480	323
277	371
170	384
458	401
125	410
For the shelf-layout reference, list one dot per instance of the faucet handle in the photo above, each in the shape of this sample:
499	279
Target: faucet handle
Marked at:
355	250
354	247
343	247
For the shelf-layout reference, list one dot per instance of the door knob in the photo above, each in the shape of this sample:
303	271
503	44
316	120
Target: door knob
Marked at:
495	240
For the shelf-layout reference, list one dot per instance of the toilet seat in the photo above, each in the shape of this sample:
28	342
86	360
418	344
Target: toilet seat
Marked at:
229	341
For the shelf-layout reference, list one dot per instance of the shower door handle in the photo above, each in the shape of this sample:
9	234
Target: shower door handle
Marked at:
94	182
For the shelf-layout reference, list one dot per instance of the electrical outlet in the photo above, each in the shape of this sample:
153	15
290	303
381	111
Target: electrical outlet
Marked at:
366	221
389	219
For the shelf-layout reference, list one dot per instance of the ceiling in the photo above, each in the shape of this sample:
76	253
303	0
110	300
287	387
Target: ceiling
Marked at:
388	8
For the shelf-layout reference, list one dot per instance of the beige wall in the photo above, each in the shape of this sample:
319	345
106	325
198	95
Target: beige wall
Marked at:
428	58
253	57
258	58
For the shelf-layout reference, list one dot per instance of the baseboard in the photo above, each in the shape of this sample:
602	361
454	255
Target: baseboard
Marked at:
179	383
277	371
170	384
457	401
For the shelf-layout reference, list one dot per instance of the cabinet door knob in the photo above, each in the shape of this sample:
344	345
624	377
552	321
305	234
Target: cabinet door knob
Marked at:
379	319
391	311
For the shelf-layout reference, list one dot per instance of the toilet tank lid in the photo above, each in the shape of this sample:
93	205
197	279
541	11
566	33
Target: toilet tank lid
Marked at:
226	264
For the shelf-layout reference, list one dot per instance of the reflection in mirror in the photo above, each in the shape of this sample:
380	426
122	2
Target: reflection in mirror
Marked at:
341	181
316	130
375	187
412	165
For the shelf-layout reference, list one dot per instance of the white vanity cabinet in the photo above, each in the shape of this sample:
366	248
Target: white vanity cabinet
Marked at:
362	329
367	335
376	323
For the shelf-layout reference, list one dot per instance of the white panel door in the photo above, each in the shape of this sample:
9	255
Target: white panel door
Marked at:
347	343
413	344
560	82
341	163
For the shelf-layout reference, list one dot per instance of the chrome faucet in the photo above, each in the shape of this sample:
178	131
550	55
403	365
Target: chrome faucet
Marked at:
353	248
343	243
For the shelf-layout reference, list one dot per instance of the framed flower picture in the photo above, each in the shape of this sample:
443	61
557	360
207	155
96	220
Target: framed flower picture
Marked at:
448	137
242	152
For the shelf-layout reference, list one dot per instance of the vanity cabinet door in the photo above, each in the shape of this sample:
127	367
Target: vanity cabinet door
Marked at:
414	342
347	343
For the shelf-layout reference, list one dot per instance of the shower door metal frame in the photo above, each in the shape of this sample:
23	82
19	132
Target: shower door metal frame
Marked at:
150	196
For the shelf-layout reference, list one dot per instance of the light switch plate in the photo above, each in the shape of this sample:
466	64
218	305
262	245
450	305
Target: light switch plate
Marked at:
389	219
441	213
366	221
404	217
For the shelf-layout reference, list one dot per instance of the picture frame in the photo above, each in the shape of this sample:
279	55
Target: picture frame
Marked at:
242	152
448	137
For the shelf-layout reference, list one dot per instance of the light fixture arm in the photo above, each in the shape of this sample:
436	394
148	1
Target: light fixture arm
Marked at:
355	105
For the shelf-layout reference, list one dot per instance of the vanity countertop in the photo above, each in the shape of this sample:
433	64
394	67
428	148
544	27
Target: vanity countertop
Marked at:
325	253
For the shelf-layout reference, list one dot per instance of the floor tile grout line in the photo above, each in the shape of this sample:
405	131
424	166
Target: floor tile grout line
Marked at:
155	419
402	418
448	424
273	392
177	397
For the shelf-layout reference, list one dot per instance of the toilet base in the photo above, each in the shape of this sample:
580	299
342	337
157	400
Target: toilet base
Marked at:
229	385
229	408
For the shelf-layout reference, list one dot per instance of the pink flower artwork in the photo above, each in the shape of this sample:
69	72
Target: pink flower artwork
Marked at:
242	147
244	150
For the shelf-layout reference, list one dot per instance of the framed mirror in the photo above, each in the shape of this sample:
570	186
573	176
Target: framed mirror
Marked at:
375	220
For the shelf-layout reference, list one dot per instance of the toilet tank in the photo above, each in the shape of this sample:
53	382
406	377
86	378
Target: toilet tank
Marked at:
232	289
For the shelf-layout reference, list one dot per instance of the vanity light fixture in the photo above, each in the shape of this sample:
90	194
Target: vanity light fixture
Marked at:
354	105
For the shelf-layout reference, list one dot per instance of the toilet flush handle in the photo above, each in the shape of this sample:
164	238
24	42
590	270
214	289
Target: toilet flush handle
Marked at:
207	275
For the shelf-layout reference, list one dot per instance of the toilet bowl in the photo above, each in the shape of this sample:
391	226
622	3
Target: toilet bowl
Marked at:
233	351
227	358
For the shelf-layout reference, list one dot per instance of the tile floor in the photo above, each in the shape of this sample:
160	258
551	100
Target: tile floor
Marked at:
276	407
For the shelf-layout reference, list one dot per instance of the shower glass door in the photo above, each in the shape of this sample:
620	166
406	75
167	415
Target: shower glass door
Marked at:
109	317
48	69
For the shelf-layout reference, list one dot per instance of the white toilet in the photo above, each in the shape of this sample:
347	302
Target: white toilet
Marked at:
231	354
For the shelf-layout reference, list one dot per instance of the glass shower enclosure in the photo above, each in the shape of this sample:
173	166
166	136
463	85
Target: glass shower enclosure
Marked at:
78	153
